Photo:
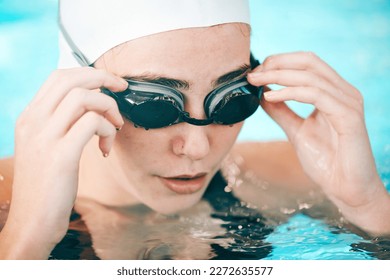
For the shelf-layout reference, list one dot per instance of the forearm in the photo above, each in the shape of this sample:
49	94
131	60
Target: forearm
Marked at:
21	246
24	242
28	239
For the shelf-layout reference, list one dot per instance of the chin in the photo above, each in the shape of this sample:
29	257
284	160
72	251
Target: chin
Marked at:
174	205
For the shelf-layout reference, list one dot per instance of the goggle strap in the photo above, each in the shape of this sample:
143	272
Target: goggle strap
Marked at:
77	54
253	61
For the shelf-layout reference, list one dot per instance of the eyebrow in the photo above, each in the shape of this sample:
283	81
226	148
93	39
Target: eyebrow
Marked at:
243	69
183	84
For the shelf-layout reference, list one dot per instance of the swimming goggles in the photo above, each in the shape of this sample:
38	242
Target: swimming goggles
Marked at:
151	105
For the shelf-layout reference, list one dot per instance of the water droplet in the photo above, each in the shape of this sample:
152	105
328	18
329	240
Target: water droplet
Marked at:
251	206
227	189
243	203
264	185
305	206
264	207
239	160
287	211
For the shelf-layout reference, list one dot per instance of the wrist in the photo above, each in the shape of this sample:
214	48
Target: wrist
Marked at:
373	217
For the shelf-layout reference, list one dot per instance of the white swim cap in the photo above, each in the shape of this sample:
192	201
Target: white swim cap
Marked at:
92	27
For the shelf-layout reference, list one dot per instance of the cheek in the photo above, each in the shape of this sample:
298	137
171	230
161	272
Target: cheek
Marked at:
139	146
224	137
146	149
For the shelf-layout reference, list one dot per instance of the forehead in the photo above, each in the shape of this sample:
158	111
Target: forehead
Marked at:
182	53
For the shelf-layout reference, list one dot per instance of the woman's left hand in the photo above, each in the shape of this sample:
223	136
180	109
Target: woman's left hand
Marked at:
332	143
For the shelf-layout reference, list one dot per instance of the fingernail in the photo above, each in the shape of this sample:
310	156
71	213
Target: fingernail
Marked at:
269	94
123	82
254	75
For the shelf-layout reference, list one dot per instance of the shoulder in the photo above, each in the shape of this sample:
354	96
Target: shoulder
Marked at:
267	174
268	160
6	178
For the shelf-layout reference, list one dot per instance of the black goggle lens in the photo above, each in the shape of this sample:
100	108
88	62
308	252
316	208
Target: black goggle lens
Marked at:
237	109
229	104
154	114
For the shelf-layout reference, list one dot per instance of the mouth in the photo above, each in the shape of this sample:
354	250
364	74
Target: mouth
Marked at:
185	184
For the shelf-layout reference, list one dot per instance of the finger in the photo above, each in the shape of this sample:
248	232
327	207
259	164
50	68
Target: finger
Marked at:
61	82
88	125
290	78
77	103
343	118
310	95
293	78
284	117
310	62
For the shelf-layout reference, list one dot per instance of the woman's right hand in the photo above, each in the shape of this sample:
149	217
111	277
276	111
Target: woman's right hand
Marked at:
49	139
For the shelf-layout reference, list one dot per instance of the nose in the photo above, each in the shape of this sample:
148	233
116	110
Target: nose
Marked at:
192	142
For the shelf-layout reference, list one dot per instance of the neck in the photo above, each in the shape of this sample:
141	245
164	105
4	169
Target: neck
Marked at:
101	178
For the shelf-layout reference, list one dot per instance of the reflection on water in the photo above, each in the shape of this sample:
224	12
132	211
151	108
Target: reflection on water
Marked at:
219	227
139	233
206	233
378	248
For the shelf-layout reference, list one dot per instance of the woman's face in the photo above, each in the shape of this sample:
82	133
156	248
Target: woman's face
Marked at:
168	169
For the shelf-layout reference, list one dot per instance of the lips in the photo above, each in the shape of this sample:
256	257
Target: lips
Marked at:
185	184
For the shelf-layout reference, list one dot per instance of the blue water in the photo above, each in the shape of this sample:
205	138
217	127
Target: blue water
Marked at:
352	36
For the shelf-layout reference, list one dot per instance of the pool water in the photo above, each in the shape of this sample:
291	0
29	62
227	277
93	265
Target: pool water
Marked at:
352	36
